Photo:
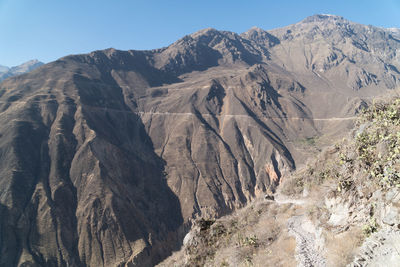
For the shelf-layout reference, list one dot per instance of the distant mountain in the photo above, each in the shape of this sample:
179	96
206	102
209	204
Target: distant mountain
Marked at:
106	158
3	69
28	66
395	31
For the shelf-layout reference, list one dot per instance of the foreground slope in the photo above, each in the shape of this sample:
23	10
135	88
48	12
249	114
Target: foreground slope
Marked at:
107	157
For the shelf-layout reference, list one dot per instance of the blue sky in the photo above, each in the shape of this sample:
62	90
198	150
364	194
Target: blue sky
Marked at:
49	29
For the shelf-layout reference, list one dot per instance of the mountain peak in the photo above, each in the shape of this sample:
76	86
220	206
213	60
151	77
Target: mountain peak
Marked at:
31	62
256	29
322	17
206	31
28	66
260	36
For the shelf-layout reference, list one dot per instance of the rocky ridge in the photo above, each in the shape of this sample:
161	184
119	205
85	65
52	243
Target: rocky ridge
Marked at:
28	66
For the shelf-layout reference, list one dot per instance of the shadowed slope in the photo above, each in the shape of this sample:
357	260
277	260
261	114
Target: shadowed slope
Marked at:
83	185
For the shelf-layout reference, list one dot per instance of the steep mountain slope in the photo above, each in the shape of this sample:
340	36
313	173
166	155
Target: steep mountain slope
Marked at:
343	209
330	55
106	158
28	66
74	192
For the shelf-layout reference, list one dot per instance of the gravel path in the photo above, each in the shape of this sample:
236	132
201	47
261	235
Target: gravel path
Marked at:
309	244
307	252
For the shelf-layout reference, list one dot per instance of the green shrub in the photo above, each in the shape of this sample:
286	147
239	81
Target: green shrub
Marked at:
370	228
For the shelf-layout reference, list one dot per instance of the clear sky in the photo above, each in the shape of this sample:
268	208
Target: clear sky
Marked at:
49	29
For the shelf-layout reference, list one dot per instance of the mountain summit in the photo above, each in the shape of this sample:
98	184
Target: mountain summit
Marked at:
28	66
108	157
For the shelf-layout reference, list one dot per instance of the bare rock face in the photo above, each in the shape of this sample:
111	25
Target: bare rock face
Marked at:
105	158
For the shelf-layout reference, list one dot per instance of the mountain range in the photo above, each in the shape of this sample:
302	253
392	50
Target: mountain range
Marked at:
106	158
28	66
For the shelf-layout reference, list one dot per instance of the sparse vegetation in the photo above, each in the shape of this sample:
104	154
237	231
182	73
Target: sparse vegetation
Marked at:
238	239
224	264
248	261
248	240
362	168
309	141
370	228
373	154
378	143
344	185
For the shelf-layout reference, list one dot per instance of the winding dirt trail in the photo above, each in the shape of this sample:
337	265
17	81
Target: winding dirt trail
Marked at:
309	244
307	252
